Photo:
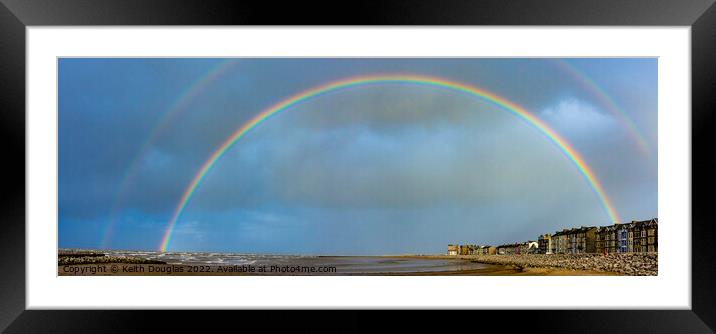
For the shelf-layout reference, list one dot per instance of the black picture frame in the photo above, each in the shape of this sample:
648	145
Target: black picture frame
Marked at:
16	15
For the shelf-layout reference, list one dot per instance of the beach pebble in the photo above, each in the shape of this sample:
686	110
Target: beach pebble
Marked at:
633	264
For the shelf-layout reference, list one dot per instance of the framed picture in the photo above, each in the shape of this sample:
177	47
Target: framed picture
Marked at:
522	156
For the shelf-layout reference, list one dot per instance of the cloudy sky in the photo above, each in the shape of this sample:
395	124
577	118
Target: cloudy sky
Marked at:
377	169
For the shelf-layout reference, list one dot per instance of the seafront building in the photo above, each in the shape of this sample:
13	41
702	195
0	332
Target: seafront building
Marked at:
544	244
487	250
508	249
560	242
632	237
529	247
621	236
468	249
581	240
605	239
644	236
608	239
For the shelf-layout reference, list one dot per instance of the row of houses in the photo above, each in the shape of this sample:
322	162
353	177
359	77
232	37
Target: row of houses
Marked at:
529	247
632	237
471	250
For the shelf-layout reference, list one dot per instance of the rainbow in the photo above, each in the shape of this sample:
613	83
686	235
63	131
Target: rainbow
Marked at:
606	101
303	96
179	104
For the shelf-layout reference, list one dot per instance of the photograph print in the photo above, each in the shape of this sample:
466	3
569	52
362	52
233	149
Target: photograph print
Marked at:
357	166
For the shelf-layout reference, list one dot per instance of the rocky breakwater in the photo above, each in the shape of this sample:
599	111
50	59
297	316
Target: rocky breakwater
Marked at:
633	264
71	257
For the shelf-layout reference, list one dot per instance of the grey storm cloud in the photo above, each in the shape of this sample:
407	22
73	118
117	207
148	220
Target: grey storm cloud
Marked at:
386	166
385	152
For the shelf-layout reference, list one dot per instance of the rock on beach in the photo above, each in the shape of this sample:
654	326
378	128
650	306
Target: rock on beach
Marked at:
632	264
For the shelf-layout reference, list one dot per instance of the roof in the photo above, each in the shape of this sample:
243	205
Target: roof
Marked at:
630	225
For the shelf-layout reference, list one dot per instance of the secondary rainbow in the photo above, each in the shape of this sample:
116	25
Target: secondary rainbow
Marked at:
180	103
516	110
607	101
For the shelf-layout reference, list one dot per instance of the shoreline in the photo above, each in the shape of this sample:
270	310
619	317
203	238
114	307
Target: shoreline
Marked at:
163	270
394	265
105	269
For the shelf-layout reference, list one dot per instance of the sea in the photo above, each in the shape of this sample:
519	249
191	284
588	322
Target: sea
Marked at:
341	264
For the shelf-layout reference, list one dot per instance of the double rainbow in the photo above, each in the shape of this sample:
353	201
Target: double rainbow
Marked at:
286	104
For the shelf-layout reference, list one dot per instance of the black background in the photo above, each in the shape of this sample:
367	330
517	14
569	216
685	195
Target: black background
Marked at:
15	15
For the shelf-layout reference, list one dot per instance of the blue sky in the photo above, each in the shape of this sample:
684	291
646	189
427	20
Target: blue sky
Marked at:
378	169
